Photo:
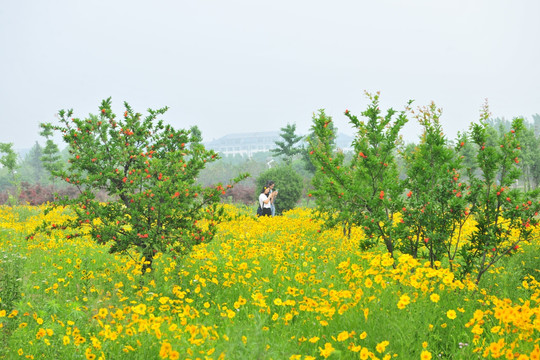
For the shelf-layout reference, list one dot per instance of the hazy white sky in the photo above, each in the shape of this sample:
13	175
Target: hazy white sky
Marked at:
243	66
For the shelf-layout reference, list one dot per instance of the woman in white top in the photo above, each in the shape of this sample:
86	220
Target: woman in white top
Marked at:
265	201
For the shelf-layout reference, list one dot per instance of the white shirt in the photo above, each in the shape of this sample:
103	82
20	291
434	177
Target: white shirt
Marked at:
262	199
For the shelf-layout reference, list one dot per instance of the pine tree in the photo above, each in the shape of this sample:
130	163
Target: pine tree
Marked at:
287	148
51	154
34	164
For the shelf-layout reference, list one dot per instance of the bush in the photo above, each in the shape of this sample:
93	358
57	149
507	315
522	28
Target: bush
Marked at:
288	182
241	193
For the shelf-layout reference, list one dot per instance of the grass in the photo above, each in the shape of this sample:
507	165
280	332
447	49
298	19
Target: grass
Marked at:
267	288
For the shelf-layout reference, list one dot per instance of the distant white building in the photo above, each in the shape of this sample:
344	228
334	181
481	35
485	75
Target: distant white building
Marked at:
246	144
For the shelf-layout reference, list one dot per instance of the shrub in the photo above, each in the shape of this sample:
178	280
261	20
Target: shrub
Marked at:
287	181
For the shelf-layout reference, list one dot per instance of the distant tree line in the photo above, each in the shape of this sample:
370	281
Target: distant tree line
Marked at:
28	178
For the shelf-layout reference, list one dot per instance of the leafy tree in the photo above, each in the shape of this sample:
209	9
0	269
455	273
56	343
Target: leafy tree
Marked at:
287	147
148	169
436	198
9	162
311	138
51	154
530	157
287	181
368	187
9	159
500	211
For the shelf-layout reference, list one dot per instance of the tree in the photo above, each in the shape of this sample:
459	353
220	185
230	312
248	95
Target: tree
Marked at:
9	159
367	188
287	181
311	137
51	154
32	169
435	206
287	147
148	169
505	216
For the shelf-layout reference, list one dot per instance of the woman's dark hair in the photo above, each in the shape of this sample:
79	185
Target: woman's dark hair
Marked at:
263	189
269	183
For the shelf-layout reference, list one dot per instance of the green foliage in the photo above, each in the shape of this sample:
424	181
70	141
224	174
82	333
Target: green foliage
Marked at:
312	138
366	189
435	205
149	170
287	181
499	209
436	198
9	159
51	154
530	164
287	147
9	162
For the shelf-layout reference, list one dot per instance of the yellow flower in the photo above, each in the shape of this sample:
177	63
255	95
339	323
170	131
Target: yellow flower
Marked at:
363	335
342	336
165	350
451	314
327	351
405	299
435	298
368	283
425	355
65	339
314	339
364	354
382	346
2	313
103	313
425	344
295	357
139	309
174	355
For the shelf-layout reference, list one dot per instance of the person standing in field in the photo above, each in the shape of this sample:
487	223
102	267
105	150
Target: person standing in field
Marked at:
270	184
265	201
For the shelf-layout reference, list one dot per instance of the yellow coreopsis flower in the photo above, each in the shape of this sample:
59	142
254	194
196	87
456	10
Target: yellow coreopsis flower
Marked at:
382	346
327	351
451	314
342	336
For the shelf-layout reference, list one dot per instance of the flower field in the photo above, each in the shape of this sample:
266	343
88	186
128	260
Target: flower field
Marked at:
264	288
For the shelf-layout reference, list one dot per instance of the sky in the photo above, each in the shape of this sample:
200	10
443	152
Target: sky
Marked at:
245	66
